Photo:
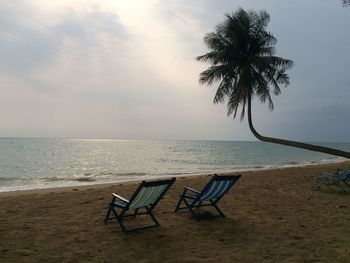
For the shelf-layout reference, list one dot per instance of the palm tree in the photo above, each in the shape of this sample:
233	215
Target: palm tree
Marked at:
243	62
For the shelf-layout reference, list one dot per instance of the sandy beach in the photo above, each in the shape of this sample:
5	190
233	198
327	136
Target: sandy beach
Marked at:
272	216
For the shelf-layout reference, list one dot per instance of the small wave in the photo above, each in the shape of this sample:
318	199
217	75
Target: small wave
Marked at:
258	166
248	167
186	162
333	160
8	178
121	174
179	173
84	179
54	179
106	173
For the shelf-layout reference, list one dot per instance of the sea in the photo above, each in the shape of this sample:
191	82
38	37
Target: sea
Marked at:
46	163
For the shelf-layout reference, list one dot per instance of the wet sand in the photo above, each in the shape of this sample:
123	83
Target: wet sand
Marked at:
271	216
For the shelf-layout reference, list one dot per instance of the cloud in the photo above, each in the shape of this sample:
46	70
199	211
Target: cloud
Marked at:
28	41
23	43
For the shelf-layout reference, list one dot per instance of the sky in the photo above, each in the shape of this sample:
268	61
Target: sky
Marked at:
126	69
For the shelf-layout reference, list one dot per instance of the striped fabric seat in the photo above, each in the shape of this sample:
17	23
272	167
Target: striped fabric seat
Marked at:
147	196
216	190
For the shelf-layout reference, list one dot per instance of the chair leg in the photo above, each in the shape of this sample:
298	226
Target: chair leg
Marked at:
108	214
119	219
127	231
178	204
120	222
135	213
153	218
191	210
217	208
110	208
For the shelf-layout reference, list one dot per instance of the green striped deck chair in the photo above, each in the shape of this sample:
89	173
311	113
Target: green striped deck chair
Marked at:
146	197
211	194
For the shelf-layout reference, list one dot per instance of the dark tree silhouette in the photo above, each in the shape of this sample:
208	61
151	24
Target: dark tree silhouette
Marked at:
243	61
346	3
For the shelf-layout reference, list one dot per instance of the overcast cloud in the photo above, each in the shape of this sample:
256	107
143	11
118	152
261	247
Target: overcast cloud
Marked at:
127	69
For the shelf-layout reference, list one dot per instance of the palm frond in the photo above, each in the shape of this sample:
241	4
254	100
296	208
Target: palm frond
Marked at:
242	58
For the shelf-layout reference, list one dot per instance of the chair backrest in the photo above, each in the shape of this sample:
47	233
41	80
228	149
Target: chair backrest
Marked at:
344	175
149	193
217	187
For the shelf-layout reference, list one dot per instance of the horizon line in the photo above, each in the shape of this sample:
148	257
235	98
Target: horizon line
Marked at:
159	139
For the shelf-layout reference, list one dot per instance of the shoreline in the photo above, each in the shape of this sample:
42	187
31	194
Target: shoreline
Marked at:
178	176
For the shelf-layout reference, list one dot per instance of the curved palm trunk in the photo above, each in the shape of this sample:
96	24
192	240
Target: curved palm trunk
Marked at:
306	146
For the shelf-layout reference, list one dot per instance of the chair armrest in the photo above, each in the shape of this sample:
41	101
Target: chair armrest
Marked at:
120	198
191	189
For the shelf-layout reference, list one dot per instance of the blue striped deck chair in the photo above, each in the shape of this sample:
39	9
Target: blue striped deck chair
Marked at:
146	197
211	194
339	179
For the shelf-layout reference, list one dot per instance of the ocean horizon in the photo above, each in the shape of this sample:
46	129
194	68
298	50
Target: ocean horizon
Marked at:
36	163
